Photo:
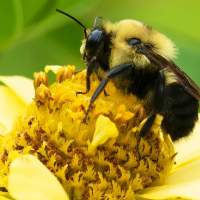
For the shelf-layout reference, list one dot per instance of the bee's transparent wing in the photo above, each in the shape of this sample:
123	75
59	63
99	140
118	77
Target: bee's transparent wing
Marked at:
188	84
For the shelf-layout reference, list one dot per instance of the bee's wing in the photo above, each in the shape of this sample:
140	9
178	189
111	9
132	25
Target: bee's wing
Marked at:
188	84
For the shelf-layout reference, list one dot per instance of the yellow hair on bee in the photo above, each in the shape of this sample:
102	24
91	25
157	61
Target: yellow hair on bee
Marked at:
163	45
126	29
135	29
82	48
169	77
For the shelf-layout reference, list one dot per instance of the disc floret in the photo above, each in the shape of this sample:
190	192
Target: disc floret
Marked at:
97	160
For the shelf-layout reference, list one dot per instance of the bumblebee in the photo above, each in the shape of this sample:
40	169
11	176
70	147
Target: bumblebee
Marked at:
138	60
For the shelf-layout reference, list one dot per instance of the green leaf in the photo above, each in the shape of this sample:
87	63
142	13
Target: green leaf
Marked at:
47	37
41	41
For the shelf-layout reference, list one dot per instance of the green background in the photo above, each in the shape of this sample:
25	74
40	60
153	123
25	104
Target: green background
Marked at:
33	34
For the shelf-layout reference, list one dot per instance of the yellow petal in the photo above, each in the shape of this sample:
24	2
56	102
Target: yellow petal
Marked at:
186	173
188	148
1	141
4	198
193	157
53	68
121	109
2	182
29	179
10	106
189	190
104	130
5	195
118	116
127	115
21	86
2	130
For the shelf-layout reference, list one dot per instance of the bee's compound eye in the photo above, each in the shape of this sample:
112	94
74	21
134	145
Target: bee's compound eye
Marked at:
134	41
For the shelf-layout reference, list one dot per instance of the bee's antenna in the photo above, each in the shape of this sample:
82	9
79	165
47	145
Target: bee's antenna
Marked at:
95	21
84	28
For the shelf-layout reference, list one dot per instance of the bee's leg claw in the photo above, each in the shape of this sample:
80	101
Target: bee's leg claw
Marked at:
105	93
81	93
84	121
76	72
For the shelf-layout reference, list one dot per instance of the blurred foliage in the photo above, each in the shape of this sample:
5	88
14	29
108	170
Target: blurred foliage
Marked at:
34	35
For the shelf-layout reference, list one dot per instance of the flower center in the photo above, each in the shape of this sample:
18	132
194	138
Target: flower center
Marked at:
97	160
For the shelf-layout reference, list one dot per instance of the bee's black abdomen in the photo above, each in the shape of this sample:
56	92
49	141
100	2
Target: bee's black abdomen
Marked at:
180	111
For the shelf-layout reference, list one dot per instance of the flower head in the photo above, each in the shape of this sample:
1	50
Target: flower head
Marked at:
97	160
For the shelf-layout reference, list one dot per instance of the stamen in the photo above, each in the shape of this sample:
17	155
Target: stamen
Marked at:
65	73
40	78
42	96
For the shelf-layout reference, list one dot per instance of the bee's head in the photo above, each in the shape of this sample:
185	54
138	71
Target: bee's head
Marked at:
97	44
94	42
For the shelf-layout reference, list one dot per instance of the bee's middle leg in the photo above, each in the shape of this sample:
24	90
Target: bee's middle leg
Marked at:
100	79
157	106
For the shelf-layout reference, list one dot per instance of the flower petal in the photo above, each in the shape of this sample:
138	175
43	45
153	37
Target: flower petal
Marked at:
186	173
10	106
105	129
30	179
21	86
3	198
53	68
189	190
5	195
2	130
2	183
188	148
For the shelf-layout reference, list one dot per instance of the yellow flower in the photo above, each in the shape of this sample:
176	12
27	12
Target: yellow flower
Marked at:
49	153
14	98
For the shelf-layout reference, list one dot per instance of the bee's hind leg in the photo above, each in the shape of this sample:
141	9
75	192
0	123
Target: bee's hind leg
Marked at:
157	106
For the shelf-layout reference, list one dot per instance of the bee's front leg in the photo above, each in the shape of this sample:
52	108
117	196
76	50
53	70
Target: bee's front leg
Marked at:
90	69
157	105
76	72
111	74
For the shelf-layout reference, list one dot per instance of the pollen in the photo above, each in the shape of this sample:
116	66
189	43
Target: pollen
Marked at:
94	160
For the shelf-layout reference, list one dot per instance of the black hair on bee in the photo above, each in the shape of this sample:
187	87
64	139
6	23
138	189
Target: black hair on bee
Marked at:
138	60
